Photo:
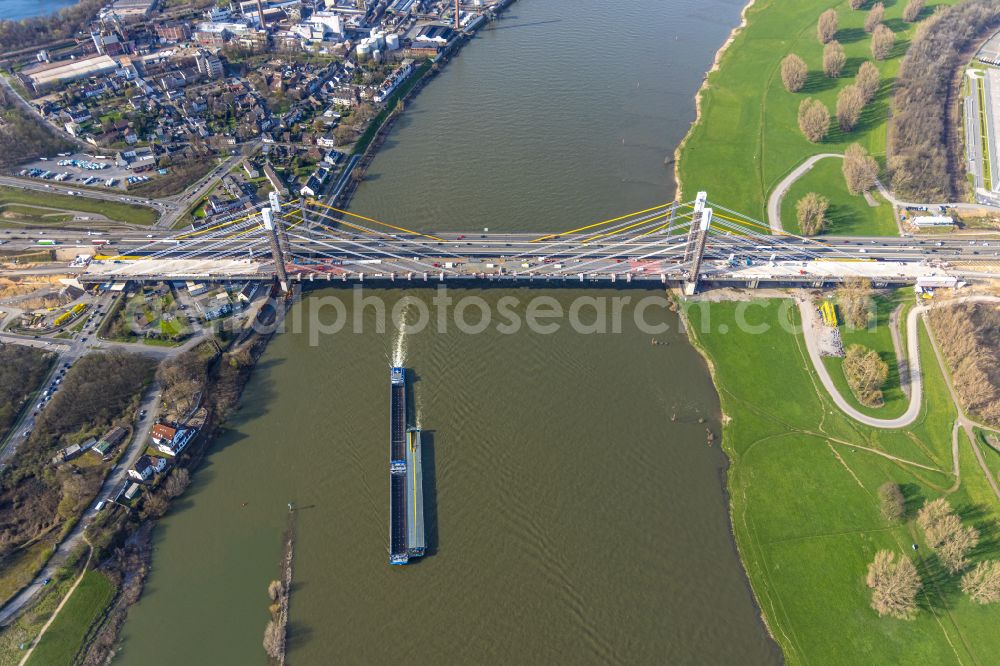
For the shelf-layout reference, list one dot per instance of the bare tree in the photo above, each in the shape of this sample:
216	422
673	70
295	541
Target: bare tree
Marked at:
932	512
945	534
982	584
954	552
854	298
811	213
794	72
912	11
177	482
882	41
868	80
891	501
860	169
857	4
866	373
274	639
826	28
850	103
834	59
874	17
274	590
814	119
894	584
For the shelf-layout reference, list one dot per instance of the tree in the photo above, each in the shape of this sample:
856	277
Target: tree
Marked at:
275	589
860	169
857	4
177	482
894	584
954	552
912	11
866	373
850	102
833	59
982	584
945	534
274	639
826	28
811	213
882	41
891	501
875	16
154	506
814	119
794	72
853	299
932	512
867	80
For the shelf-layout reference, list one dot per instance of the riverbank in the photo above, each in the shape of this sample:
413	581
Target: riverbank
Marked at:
746	136
803	497
125	538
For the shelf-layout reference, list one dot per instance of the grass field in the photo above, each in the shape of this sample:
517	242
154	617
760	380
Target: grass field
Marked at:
848	214
61	642
748	139
113	210
803	484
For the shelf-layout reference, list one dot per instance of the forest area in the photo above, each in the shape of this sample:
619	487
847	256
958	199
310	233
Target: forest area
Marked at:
99	391
925	162
23	137
21	372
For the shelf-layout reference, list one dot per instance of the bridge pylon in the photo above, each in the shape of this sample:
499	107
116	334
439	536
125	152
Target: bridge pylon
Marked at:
276	252
279	224
695	250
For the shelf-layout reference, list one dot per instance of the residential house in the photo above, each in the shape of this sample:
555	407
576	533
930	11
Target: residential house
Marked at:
178	442
143	469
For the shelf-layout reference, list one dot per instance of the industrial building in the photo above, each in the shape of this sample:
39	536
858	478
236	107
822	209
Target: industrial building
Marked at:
51	75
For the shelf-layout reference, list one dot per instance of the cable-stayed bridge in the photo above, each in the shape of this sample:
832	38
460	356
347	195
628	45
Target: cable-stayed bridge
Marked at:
677	242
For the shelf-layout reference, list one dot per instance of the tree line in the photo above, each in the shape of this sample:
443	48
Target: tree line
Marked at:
922	165
967	335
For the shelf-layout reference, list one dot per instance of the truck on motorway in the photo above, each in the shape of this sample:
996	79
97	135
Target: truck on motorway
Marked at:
46	241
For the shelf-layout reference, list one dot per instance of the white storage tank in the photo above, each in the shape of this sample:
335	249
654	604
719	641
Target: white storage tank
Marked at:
392	42
364	48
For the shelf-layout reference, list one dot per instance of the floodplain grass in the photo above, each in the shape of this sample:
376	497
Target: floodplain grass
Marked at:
15	637
113	210
65	636
803	500
747	138
848	214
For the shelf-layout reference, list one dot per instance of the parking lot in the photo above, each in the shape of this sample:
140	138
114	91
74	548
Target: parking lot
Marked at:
76	167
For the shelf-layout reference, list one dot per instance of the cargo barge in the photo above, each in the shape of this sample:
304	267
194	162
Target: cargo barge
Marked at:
406	491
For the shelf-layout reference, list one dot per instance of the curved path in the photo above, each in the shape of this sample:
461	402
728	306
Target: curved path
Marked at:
778	194
810	324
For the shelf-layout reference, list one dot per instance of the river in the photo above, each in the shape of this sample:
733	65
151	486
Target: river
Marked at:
19	9
576	510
